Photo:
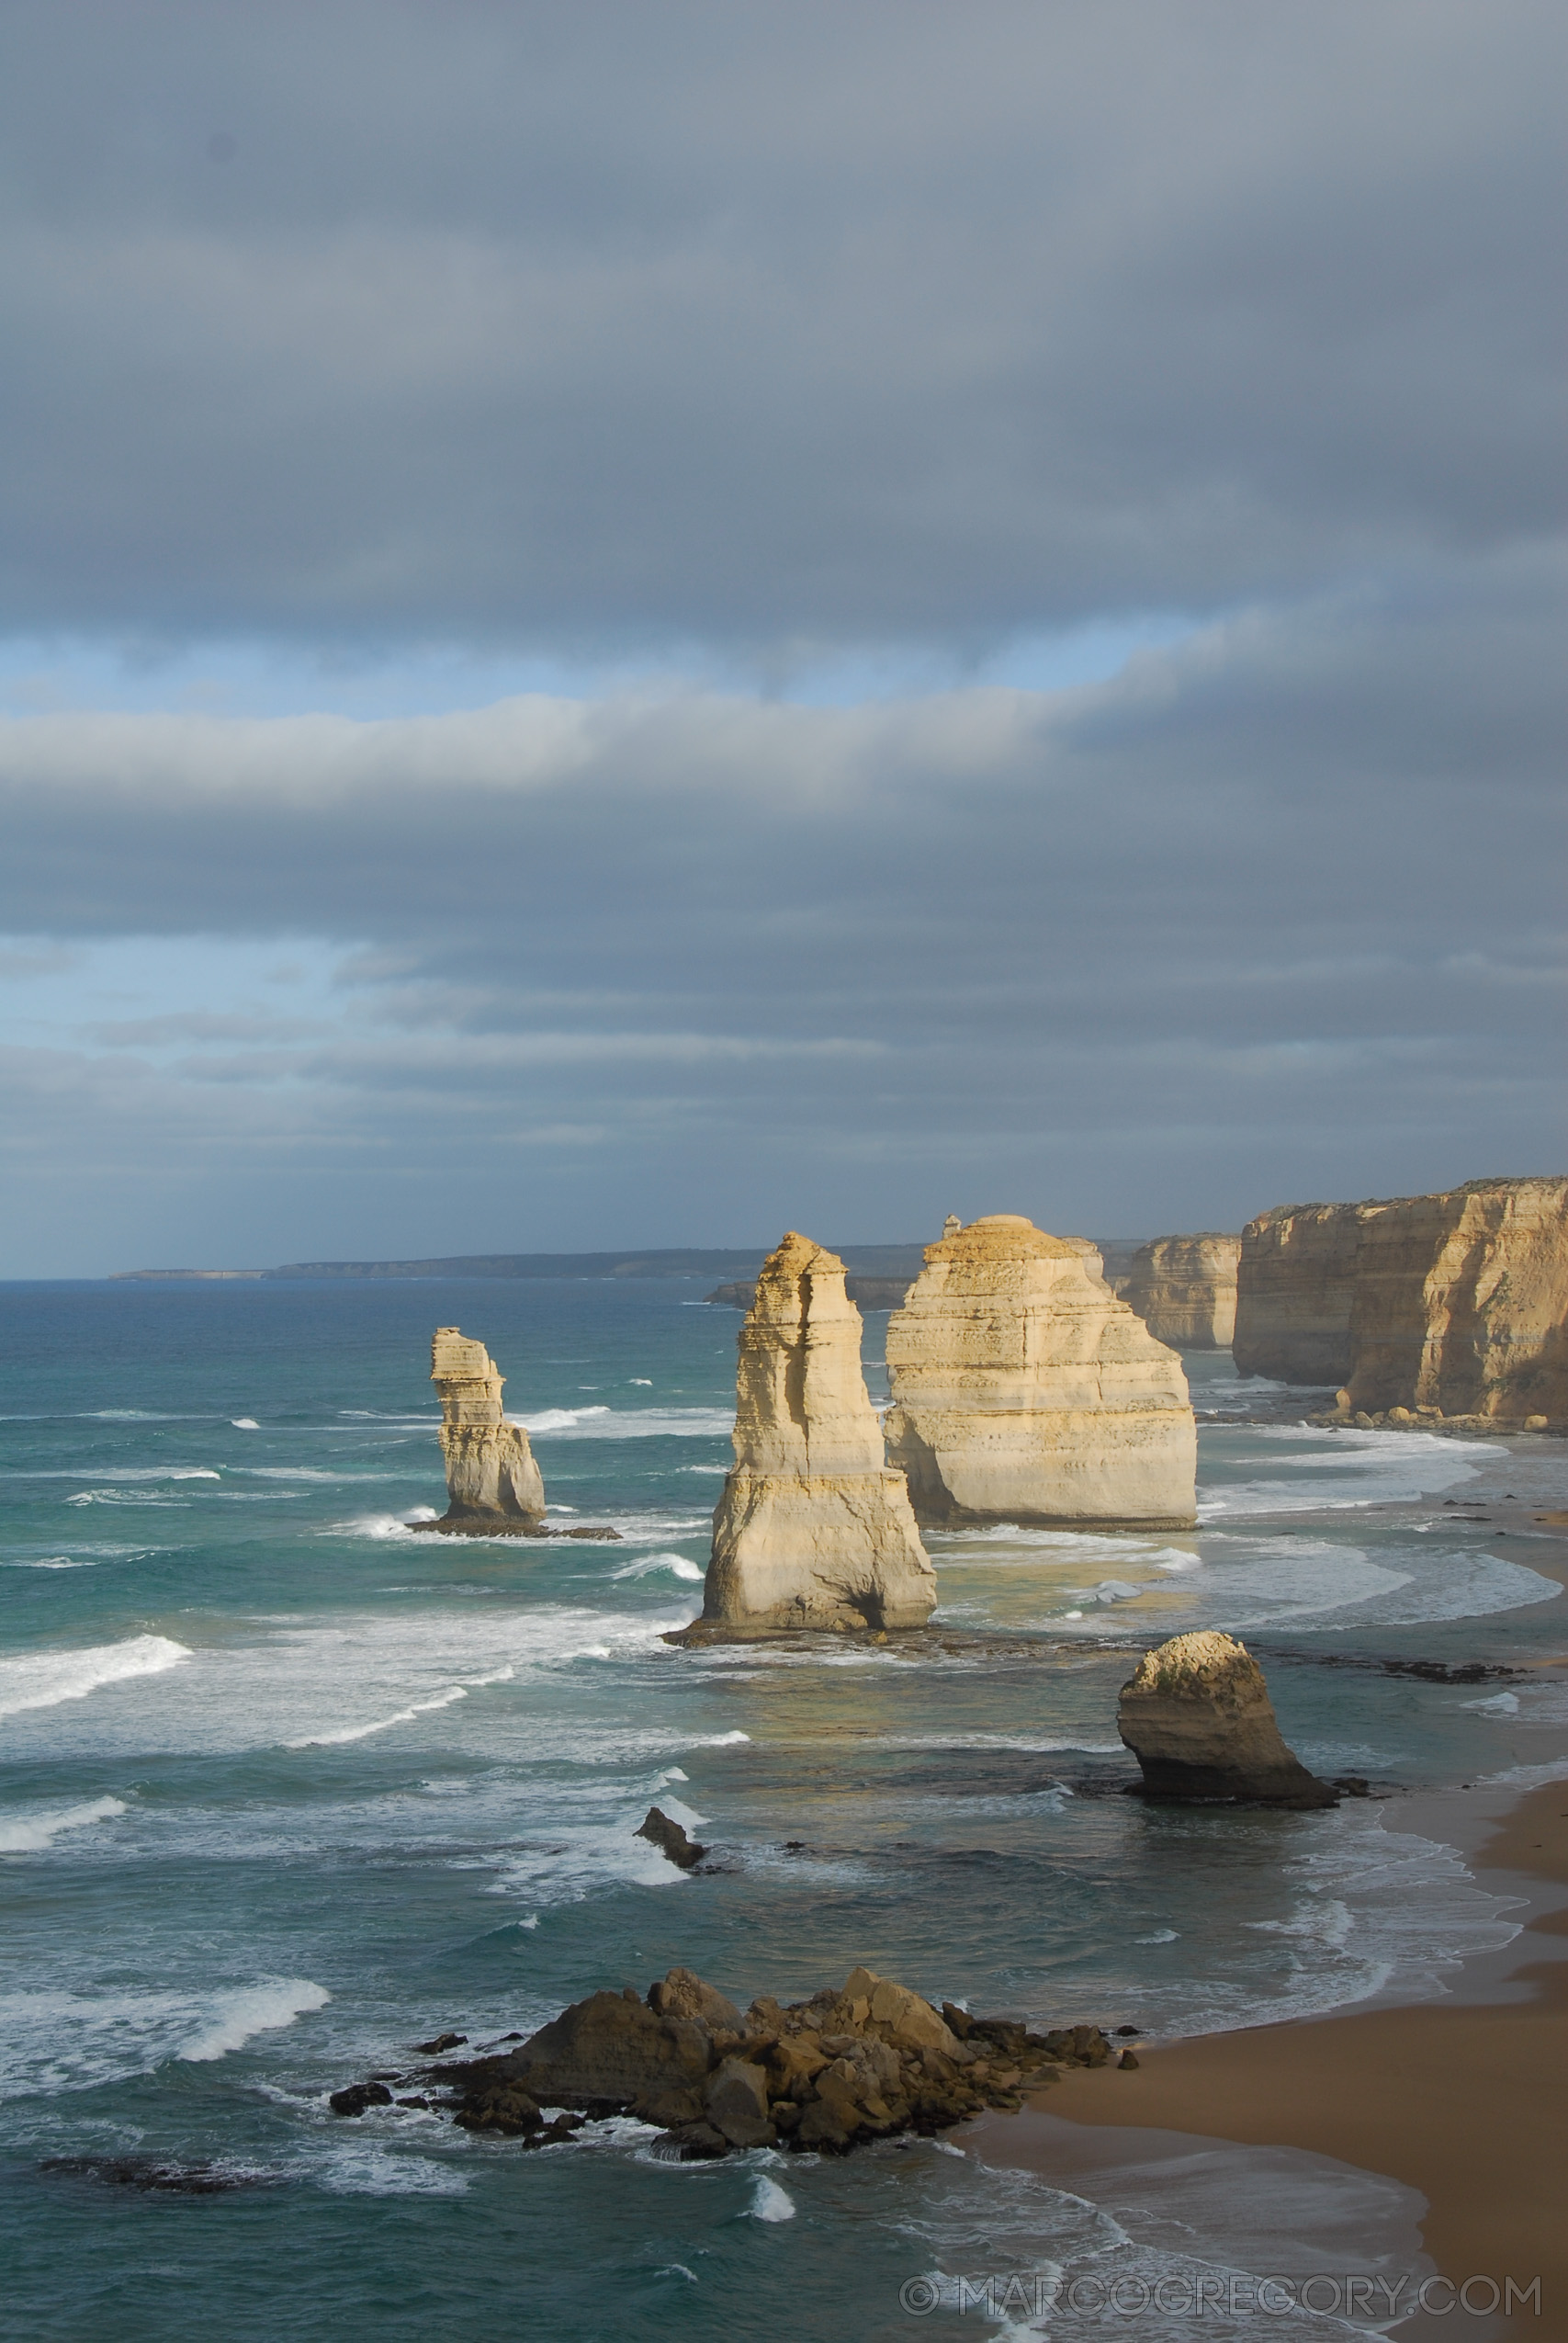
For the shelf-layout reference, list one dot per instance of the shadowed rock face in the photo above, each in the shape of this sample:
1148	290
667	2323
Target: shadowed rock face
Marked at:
1462	1303
812	1529
491	1470
1198	1718
1184	1290
1296	1289
1024	1390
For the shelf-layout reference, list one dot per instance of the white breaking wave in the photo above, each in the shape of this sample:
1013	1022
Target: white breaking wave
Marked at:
1362	1468
244	1423
630	1423
257	2009
676	1564
58	2039
381	1724
30	1838
119	1473
46	1678
770	2202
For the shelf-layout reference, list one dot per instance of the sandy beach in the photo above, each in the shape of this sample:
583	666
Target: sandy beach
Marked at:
1461	2100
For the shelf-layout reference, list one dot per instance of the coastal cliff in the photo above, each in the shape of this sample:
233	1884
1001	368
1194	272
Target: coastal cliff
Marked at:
490	1471
1295	1286
1024	1390
813	1530
1460	1303
1184	1290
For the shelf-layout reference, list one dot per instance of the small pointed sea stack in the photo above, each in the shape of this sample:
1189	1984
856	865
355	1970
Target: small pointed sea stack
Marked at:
1024	1391
490	1472
1198	1718
812	1530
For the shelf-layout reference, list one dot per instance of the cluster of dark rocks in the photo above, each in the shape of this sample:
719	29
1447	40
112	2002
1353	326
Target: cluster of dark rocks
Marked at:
833	2073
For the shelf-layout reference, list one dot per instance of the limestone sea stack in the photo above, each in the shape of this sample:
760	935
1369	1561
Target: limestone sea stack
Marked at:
812	1529
490	1472
1460	1303
1198	1718
1024	1390
1295	1287
1184	1290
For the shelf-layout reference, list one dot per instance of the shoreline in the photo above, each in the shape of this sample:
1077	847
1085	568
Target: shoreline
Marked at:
1459	2099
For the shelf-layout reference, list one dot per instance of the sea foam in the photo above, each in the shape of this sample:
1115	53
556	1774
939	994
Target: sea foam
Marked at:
31	1837
43	1679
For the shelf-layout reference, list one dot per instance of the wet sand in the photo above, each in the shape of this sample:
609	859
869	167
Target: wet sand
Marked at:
1464	2100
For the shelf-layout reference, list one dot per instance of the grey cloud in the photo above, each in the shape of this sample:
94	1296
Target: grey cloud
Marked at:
771	326
1276	911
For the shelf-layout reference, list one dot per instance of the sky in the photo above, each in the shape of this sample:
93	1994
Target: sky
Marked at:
637	625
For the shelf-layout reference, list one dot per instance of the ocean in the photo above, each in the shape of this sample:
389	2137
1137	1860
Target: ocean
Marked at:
286	1789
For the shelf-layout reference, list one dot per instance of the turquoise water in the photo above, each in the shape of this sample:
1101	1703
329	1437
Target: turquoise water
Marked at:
285	1789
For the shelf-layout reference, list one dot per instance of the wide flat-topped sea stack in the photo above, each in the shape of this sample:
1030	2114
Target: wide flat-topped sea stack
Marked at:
490	1472
1198	1718
1184	1290
812	1529
1460	1303
1024	1391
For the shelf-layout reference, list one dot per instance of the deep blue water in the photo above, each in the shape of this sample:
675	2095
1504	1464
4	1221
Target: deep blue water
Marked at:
285	1788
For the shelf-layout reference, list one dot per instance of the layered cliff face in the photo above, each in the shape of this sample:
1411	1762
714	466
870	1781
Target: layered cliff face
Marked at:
1295	1285
812	1529
1184	1290
1024	1391
490	1465
1198	1718
1462	1303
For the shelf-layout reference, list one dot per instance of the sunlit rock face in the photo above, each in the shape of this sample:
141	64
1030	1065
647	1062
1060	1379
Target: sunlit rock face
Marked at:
1024	1390
1295	1287
1198	1718
1460	1303
813	1530
490	1465
1184	1290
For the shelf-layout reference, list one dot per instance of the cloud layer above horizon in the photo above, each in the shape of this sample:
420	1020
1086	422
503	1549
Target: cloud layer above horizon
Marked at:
782	383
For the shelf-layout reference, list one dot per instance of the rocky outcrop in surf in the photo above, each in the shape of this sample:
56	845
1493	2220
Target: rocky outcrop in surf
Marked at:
1198	1718
851	2065
1460	1305
1184	1290
812	1529
1024	1390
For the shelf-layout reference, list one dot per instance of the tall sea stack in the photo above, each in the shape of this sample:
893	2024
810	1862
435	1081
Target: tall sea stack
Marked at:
1024	1391
812	1529
490	1471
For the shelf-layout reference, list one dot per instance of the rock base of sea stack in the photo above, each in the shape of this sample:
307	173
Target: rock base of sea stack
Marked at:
1198	1718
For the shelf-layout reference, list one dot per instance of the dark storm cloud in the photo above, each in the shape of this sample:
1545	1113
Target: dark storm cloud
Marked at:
770	325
